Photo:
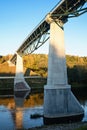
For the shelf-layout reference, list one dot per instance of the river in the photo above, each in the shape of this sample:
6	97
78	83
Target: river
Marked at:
17	113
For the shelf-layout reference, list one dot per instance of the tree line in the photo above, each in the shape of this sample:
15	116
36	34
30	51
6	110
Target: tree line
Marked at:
38	63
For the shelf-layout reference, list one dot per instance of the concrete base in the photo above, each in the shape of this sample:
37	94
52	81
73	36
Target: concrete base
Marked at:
65	119
59	102
60	105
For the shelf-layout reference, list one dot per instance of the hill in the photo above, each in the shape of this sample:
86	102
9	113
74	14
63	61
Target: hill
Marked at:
37	64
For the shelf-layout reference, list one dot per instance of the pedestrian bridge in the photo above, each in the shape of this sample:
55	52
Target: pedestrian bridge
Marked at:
59	102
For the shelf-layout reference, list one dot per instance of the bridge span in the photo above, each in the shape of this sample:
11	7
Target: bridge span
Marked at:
64	10
59	102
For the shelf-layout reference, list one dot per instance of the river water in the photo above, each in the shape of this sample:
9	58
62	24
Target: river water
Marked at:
16	112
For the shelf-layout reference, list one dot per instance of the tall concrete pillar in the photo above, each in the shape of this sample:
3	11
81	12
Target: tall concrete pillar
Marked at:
19	82
19	75
59	102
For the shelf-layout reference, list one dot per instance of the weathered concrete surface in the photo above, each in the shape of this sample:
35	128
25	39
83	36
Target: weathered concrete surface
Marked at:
21	88
58	98
19	76
60	103
57	73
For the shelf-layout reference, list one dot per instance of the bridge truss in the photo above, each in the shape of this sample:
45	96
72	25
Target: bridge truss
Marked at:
64	10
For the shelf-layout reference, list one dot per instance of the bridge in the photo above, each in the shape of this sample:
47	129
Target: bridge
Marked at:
59	102
64	10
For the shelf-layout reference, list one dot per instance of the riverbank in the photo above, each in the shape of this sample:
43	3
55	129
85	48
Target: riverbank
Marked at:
71	126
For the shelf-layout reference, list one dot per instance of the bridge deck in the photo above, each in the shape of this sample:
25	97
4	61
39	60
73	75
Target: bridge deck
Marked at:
62	11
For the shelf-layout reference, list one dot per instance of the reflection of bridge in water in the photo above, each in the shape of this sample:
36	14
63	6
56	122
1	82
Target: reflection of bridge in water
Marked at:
18	116
19	96
59	102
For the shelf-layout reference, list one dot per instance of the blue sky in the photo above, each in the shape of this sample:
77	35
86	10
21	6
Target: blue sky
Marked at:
19	17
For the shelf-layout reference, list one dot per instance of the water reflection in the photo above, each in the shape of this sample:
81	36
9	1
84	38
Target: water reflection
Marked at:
6	119
15	113
19	98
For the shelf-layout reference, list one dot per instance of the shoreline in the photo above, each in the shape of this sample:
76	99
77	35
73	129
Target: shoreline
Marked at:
70	126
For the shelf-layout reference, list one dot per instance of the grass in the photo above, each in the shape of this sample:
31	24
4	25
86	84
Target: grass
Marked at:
82	128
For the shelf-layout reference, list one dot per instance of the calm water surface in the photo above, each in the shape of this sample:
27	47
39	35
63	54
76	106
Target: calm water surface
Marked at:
15	113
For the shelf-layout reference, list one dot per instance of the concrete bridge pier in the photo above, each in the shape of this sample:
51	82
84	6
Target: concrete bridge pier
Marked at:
60	105
20	85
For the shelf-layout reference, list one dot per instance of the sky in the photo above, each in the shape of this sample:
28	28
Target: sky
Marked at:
19	17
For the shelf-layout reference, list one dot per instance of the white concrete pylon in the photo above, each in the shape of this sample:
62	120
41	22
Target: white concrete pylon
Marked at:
59	102
19	81
57	73
19	75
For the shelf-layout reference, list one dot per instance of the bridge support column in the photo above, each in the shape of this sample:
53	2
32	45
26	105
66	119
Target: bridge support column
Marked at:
21	88
60	105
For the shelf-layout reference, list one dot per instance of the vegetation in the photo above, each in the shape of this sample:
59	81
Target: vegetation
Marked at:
82	128
37	64
77	69
4	58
